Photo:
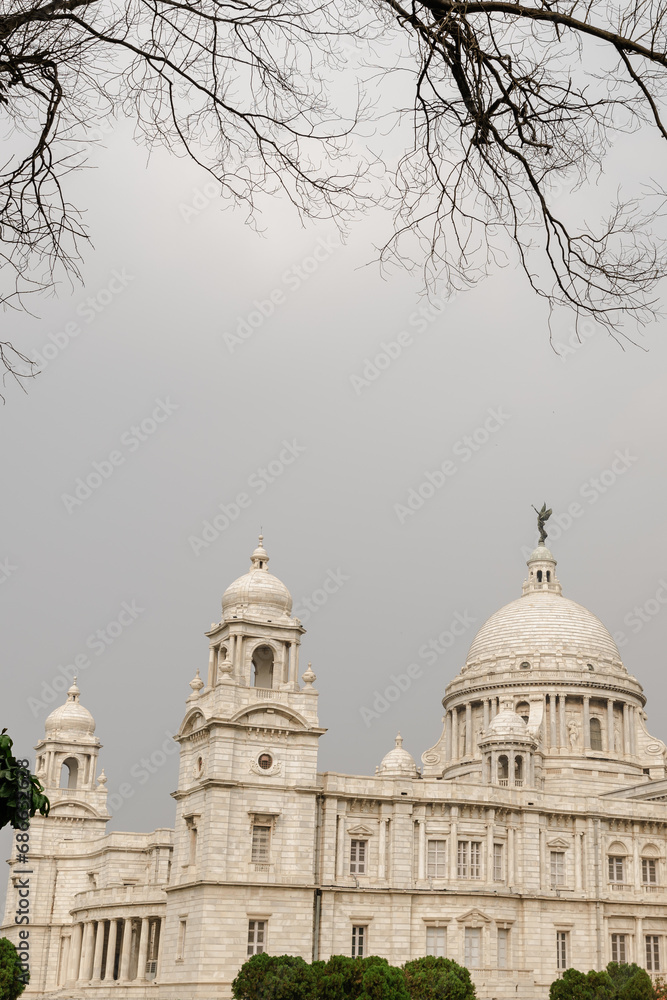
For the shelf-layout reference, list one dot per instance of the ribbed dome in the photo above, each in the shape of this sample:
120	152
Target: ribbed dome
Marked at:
257	592
71	718
398	763
507	723
543	622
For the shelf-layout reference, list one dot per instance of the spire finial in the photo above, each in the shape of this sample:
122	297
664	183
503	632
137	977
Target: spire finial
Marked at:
399	740
259	558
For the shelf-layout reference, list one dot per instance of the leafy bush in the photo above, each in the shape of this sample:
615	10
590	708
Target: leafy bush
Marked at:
576	985
630	981
13	980
19	798
274	977
433	978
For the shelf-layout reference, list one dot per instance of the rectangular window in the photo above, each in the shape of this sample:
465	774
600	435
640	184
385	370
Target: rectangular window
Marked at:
498	865
652	953
473	947
558	867
359	941
649	871
256	936
260	843
180	950
437	852
358	857
618	948
469	859
436	941
503	947
616	868
561	949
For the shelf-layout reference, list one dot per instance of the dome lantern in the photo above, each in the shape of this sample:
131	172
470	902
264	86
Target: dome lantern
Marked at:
257	593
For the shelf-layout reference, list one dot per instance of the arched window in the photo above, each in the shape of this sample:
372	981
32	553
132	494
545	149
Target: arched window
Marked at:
69	774
596	734
518	770
503	770
548	576
262	661
539	576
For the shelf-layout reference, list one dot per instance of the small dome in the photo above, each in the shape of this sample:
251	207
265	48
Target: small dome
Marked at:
398	763
507	724
541	554
258	592
71	718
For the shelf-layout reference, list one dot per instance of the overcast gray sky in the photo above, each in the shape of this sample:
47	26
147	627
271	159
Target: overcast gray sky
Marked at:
171	273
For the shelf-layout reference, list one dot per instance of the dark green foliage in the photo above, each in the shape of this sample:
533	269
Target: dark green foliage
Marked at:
630	981
274	977
12	978
339	978
20	792
577	985
382	981
433	978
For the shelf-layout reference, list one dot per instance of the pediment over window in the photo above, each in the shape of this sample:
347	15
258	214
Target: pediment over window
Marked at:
474	916
359	831
193	722
558	843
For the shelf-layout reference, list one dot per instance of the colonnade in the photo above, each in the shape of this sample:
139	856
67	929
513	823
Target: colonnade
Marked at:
114	950
618	720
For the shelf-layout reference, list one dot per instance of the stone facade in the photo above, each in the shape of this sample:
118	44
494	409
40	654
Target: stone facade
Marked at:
532	839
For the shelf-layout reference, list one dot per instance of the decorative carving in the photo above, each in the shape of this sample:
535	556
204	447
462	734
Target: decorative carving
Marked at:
276	767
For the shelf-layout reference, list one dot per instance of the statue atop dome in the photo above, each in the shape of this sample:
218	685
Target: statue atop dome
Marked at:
543	516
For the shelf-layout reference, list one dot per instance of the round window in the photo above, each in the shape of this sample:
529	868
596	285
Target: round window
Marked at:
525	665
265	761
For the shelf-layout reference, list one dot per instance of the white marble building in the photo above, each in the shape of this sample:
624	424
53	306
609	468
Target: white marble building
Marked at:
533	838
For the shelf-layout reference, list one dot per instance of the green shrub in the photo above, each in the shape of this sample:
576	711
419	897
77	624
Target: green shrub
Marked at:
433	978
13	979
576	985
274	977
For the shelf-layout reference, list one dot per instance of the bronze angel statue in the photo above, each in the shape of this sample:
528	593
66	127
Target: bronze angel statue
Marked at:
542	517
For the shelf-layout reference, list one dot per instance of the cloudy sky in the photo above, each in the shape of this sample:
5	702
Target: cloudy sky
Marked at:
255	348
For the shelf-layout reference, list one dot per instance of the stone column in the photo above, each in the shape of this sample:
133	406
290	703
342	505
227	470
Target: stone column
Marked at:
610	725
86	951
382	849
562	721
577	860
490	832
544	876
291	673
640	950
453	842
510	855
587	722
487	713
421	856
75	952
111	952
626	728
553	732
143	950
469	746
126	950
448	735
340	862
633	730
99	949
455	734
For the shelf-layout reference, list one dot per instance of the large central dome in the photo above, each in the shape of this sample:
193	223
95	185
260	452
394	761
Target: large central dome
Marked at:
544	623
